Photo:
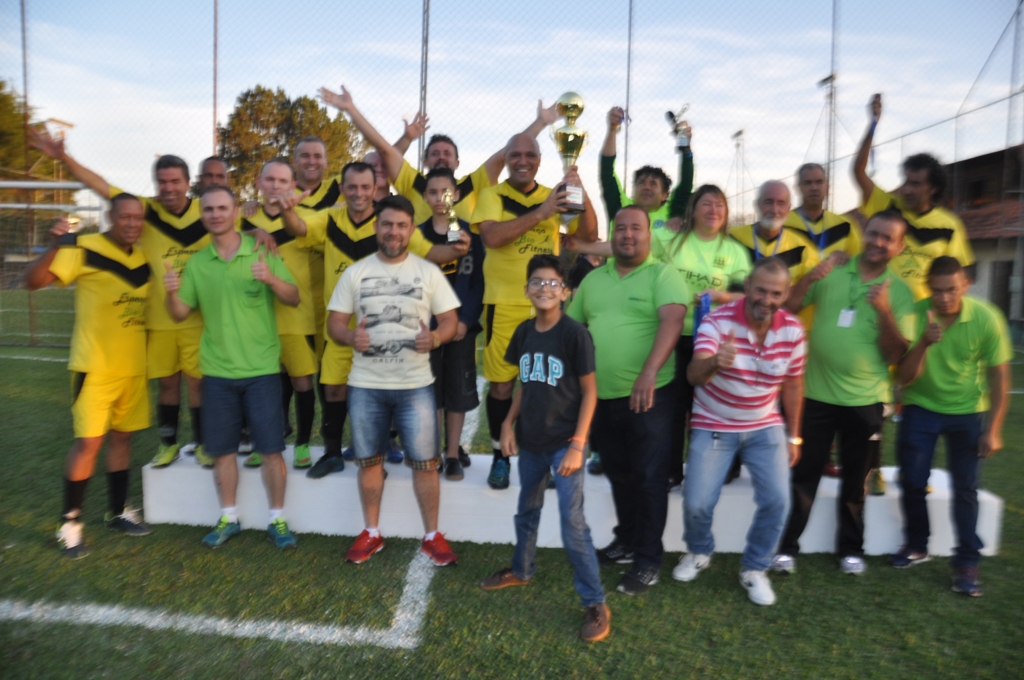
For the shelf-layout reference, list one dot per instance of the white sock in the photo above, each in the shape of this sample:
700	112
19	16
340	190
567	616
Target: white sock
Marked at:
231	513
430	536
275	513
372	531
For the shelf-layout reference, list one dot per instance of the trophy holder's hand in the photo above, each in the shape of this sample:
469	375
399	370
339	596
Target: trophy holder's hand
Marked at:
875	107
59	228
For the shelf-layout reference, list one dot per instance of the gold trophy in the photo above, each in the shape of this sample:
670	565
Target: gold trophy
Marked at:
453	221
570	142
680	128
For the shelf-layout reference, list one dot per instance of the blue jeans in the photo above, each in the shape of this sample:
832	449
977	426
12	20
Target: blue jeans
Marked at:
765	454
229	404
919	432
415	416
533	480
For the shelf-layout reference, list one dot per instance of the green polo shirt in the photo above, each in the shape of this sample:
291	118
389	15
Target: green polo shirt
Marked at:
622	315
240	330
954	379
845	365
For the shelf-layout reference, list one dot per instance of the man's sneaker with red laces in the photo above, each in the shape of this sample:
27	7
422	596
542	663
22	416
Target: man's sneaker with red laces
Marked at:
438	550
364	547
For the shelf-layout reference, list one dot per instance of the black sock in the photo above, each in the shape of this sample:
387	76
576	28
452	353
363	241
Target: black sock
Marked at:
286	397
74	496
497	411
305	405
196	414
393	433
321	393
117	491
167	421
334	424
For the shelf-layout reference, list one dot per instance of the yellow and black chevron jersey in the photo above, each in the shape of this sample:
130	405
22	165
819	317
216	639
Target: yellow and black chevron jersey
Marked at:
411	184
110	304
829	233
343	242
505	267
290	320
792	247
931	234
167	237
327	195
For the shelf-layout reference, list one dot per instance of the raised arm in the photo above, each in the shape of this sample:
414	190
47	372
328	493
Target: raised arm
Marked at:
390	156
413	131
545	116
293	224
54	148
860	163
680	198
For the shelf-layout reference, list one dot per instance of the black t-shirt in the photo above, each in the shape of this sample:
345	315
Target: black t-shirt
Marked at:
550	365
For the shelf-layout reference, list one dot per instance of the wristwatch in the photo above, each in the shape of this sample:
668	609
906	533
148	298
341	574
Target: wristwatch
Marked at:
796	441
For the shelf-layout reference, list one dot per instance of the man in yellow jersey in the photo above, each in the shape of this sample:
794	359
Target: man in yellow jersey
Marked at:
172	231
441	152
295	326
516	220
213	171
933	230
344	235
831	233
108	359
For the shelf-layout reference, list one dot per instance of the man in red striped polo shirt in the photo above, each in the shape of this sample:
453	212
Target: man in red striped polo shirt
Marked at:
745	354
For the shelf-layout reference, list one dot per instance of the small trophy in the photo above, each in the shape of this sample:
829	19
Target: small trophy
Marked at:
453	221
570	142
680	128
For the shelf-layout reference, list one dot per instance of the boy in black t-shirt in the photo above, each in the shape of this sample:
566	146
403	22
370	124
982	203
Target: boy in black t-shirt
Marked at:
548	426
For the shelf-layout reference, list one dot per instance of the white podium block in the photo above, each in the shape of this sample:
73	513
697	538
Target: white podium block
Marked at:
184	493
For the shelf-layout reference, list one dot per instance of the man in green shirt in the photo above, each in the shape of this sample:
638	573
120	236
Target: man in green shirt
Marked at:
956	371
634	307
239	354
863	314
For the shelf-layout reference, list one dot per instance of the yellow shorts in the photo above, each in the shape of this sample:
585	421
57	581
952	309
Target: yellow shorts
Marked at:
336	364
168	352
101	403
500	322
297	355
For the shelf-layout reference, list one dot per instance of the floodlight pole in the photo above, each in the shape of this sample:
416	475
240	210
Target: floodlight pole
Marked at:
425	44
629	73
216	8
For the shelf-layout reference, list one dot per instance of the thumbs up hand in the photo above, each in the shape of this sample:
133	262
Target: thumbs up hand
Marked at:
878	296
361	338
424	339
172	281
933	331
726	352
260	271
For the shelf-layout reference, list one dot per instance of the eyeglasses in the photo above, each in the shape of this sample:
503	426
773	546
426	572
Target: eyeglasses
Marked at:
537	285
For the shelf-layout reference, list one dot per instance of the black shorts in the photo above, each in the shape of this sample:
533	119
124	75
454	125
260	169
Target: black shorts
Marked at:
454	368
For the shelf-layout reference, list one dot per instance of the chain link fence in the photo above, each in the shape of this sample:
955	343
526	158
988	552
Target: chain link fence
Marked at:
127	82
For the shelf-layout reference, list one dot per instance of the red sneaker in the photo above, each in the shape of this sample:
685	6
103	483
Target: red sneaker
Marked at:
438	550
364	547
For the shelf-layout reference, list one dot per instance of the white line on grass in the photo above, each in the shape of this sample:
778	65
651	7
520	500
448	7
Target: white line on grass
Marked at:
404	632
24	358
473	417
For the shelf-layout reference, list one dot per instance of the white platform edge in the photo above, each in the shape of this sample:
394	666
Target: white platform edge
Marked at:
471	511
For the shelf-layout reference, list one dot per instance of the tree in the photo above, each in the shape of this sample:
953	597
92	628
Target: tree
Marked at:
266	124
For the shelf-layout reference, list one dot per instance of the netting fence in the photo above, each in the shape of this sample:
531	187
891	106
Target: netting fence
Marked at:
126	82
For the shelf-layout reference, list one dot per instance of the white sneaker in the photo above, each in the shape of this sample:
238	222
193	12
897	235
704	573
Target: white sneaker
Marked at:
689	566
759	588
785	564
69	536
853	565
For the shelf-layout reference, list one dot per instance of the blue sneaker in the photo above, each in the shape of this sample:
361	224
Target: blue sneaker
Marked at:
498	479
966	581
277	531
222	533
394	454
349	454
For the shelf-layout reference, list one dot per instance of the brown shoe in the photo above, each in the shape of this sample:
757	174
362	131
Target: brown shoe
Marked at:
502	579
598	623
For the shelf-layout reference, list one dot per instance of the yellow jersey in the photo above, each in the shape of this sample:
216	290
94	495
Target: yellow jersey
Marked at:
411	183
796	250
505	267
829	233
111	297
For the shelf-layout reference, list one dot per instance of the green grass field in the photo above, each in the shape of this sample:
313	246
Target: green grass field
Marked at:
887	623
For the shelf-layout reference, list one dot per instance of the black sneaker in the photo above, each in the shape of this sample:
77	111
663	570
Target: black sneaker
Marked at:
325	466
464	459
615	553
638	580
453	469
129	523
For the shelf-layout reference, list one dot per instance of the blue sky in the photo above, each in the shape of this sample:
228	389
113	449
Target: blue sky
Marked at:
136	79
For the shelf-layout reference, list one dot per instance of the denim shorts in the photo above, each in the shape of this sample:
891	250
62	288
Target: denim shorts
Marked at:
415	416
225	401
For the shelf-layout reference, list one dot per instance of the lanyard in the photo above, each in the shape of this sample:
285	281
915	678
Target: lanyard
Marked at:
757	251
819	240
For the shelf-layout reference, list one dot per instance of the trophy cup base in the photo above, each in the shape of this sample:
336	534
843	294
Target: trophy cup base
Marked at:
453	236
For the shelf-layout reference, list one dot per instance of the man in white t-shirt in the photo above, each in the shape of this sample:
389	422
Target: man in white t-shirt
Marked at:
393	295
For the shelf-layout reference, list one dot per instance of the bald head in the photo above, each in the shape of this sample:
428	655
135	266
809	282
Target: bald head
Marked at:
522	157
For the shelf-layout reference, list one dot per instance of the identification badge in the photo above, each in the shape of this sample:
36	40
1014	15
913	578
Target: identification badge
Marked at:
846	317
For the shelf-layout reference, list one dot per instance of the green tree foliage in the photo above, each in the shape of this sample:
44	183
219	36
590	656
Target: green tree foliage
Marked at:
266	124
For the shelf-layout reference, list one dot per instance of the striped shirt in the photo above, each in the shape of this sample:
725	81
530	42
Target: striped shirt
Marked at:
745	397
